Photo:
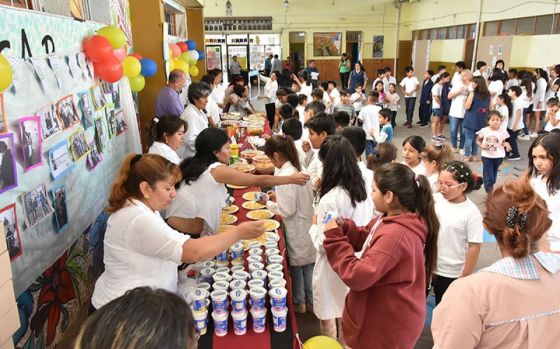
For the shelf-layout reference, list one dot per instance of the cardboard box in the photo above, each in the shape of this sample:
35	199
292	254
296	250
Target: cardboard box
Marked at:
5	268
9	324
8	297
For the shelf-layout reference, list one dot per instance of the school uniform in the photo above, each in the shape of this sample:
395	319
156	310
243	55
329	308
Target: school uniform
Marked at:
553	204
409	85
198	122
425	109
370	118
329	292
140	249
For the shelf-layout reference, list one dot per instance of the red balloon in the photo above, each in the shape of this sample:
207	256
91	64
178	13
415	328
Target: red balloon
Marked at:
110	71
136	55
98	49
183	46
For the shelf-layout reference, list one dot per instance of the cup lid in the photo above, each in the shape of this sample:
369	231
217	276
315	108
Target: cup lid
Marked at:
238	294
278	292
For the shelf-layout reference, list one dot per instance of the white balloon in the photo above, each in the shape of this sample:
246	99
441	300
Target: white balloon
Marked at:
193	55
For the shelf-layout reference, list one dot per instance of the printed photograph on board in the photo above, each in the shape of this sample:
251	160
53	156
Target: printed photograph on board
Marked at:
60	211
111	121
86	108
78	144
94	157
66	111
8	171
99	100
100	133
36	205
50	125
116	96
378	41
121	125
31	144
13	240
60	161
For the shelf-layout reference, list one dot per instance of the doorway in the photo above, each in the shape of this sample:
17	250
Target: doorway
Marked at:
353	40
469	52
297	50
404	59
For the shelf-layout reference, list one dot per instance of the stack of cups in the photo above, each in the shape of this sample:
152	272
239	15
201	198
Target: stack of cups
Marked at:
220	313
279	308
200	303
237	252
258	309
239	310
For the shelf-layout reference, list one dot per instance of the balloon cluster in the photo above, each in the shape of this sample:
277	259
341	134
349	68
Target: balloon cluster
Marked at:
184	57
107	52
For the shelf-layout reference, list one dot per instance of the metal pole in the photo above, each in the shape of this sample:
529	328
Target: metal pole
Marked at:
477	34
396	39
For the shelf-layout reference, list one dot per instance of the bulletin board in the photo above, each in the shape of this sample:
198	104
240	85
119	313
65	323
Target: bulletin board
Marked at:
493	48
80	131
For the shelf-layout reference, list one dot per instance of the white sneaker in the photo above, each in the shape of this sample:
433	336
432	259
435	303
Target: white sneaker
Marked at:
533	135
524	138
462	151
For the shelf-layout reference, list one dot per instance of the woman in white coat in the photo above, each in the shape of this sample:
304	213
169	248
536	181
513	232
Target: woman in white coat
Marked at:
140	248
196	116
202	193
295	205
166	136
342	193
270	88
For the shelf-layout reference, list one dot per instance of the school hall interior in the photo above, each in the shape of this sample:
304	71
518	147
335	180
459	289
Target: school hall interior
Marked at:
55	218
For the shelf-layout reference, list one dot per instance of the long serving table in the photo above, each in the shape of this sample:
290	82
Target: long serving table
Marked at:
269	339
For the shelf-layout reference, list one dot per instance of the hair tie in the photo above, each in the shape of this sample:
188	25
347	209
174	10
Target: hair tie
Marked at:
515	217
156	120
285	137
135	159
417	180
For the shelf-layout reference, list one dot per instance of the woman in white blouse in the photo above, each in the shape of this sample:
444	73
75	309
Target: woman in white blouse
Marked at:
202	194
196	116
140	249
270	88
166	136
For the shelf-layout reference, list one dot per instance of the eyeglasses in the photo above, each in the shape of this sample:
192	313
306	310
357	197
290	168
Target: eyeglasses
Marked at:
445	186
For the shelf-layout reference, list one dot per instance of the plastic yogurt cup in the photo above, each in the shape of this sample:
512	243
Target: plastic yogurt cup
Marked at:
208	264
238	300
201	321
221	277
273	283
219	301
199	297
275	259
259	319
220	323
274	266
278	297
237	251
237	285
279	318
206	274
220	285
237	268
204	286
258	297
255	251
239	322
271	251
259	274
240	275
275	274
255	266
254	259
255	283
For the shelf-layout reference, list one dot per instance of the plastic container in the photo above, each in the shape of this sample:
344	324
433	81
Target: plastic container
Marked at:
208	264
221	277
257	251
223	256
237	268
238	262
259	274
237	285
206	274
255	283
258	297
223	270
273	283
220	285
238	300
204	286
278	297
274	266
259	319
254	259
201	321
270	244
219	301
275	259
271	251
239	322
199	297
255	266
222	264
220	323
240	275
275	274
279	318
254	244
237	251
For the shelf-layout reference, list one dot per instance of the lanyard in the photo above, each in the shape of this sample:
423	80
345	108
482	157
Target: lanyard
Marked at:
369	238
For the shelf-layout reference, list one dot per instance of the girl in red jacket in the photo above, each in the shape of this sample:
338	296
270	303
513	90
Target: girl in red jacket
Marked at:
387	264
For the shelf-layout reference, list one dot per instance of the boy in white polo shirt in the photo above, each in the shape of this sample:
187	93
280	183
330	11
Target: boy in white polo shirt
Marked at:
409	86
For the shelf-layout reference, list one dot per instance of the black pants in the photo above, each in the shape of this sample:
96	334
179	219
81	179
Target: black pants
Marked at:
270	112
440	285
409	106
394	118
424	111
344	80
267	72
512	140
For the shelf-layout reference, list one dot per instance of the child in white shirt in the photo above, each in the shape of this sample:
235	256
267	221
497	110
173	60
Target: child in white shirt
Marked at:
515	123
492	141
504	107
392	100
370	119
358	98
409	86
413	147
552	117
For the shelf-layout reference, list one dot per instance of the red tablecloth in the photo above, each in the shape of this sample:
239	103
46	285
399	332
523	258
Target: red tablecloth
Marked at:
269	339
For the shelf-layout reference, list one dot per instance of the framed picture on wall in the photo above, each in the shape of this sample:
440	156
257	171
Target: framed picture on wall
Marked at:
378	41
94	157
60	210
78	144
99	100
327	44
86	108
121	125
8	171
31	143
100	132
50	125
66	111
13	240
3	124
36	206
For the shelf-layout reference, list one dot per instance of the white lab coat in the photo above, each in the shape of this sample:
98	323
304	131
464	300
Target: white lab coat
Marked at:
270	88
295	204
329	292
197	122
165	151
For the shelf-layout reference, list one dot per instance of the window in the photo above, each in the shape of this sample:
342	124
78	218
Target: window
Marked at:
169	15
425	34
28	4
452	32
237	23
557	18
525	26
491	28
442	33
433	34
460	32
543	25
507	27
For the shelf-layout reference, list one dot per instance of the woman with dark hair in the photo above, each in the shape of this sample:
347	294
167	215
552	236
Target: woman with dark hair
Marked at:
140	248
499	71
527	99
342	193
344	67
165	136
196	117
477	105
304	82
163	320
357	76
202	193
270	88
514	302
387	262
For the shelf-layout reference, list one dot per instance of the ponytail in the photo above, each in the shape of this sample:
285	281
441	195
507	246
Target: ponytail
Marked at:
284	145
138	168
425	209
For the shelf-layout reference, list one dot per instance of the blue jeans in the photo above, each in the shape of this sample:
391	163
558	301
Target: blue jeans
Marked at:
370	146
302	278
471	148
490	172
409	103
456	124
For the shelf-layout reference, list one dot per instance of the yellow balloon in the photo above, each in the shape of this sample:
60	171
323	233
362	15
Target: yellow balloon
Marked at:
185	57
6	73
137	83
114	35
181	65
131	66
171	64
192	62
193	70
322	342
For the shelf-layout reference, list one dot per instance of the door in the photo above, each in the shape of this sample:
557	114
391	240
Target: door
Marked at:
404	58
469	51
241	51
